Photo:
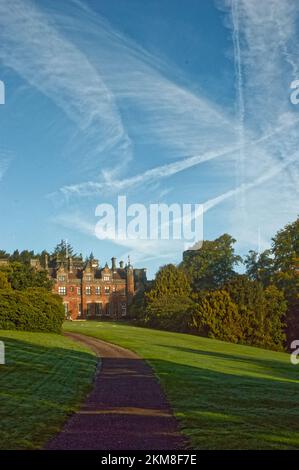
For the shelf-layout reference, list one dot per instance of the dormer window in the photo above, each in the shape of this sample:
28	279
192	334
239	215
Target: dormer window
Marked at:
88	277
106	278
61	278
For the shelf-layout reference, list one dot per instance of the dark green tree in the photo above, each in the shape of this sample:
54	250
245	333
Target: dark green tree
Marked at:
262	312
24	256
42	257
215	315
22	276
168	303
63	249
89	258
260	267
285	248
4	254
212	265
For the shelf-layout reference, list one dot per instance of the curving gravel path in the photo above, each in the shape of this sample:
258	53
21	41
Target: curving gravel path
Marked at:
126	409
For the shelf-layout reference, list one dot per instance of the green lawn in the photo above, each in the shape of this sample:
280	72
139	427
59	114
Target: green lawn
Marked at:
45	378
225	396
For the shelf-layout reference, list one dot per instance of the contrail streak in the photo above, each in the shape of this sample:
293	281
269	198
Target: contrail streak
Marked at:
240	170
247	186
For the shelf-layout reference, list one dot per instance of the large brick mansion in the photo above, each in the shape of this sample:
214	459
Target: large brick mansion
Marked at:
91	291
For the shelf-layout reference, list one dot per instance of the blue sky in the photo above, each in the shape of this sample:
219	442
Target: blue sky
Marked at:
159	100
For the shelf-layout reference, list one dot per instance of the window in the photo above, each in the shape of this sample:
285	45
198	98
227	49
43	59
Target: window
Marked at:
61	278
71	289
79	290
123	309
62	290
89	309
88	277
66	310
98	290
79	310
106	278
98	309
88	290
107	290
113	288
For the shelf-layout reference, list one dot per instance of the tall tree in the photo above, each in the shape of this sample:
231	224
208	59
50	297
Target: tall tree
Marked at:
212	265
285	248
169	301
63	249
4	254
260	267
262	312
217	316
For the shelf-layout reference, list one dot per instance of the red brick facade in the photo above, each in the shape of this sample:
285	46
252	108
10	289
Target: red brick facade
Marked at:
89	291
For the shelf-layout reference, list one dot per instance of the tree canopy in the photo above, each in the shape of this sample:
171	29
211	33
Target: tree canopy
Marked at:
212	265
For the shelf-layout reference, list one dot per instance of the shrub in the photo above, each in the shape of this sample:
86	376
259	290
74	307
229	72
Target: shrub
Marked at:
169	312
217	316
34	309
4	284
49	308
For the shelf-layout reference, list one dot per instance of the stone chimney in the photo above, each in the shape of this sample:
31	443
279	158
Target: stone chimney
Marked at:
70	266
113	267
121	265
130	282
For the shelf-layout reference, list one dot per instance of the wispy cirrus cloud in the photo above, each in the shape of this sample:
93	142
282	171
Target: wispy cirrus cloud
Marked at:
124	101
179	121
115	185
266	62
100	88
145	250
33	47
264	131
6	156
149	176
160	113
140	250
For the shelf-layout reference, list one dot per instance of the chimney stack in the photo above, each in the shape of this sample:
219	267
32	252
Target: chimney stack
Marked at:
121	265
113	260
70	266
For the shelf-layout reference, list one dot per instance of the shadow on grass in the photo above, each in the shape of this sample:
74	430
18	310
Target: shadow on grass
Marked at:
40	386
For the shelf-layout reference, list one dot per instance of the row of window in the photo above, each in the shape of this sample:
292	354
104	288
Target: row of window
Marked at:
87	278
96	309
88	290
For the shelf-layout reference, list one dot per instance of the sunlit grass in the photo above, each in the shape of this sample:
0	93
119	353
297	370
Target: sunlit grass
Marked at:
225	396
